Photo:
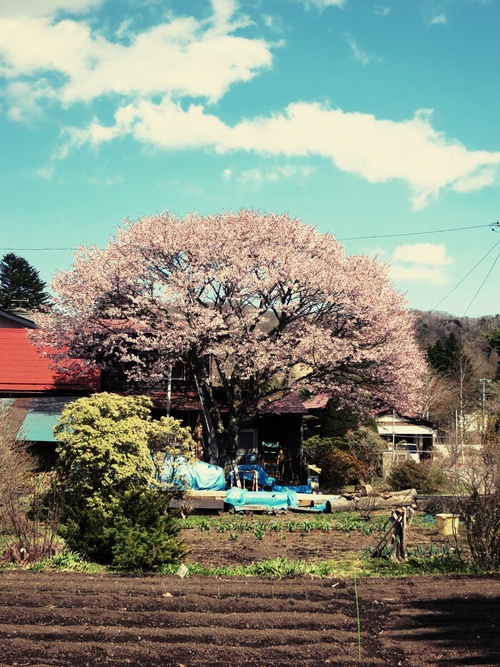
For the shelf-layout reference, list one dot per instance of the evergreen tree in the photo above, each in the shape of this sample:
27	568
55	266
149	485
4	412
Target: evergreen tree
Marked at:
449	358
337	421
493	338
20	285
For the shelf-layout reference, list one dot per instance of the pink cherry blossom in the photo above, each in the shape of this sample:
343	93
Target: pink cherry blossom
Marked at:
273	303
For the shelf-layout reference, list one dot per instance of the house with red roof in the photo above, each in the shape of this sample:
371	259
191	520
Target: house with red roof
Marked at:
32	392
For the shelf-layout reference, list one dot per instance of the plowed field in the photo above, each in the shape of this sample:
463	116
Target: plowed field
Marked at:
79	619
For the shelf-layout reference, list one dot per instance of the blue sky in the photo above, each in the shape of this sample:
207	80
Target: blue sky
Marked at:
377	122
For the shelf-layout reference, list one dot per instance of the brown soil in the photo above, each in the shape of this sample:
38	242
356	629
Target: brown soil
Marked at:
63	619
244	547
79	619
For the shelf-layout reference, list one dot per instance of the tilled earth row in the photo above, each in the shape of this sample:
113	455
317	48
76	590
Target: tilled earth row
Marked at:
77	619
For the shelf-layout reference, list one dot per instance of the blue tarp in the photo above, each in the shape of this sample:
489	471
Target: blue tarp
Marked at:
298	489
198	475
322	506
274	500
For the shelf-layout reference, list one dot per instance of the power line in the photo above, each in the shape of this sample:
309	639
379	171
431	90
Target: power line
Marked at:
465	277
432	231
482	284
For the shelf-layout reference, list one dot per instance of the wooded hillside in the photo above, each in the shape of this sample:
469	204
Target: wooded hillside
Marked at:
464	384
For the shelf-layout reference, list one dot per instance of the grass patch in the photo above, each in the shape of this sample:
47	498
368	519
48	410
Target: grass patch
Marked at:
281	568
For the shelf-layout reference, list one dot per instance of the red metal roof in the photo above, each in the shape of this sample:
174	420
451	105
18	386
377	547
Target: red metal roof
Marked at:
23	368
287	405
317	402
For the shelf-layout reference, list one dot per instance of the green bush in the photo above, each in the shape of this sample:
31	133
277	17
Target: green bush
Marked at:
87	532
138	534
425	477
338	469
145	535
366	445
109	444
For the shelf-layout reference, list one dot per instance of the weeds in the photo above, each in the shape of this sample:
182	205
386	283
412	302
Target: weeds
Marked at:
28	523
67	561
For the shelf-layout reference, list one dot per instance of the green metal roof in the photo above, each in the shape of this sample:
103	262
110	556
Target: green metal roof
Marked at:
42	416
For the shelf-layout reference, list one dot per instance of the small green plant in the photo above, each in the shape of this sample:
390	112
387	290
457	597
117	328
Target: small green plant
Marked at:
222	527
276	526
307	526
259	532
205	525
324	526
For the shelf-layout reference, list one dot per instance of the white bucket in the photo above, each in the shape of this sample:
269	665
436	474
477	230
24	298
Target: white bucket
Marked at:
447	524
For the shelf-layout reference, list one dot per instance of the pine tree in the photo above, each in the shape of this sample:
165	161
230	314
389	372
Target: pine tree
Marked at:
493	338
20	285
449	358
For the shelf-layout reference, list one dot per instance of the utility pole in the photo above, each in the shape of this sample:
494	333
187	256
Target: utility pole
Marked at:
483	382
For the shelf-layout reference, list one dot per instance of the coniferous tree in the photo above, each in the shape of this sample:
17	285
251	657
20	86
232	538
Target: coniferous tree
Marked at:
493	339
20	284
449	357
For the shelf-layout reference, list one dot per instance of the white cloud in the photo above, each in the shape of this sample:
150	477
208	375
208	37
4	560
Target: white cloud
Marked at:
359	54
423	253
275	174
46	172
422	262
376	150
107	181
27	8
439	19
180	57
322	4
417	273
24	99
153	76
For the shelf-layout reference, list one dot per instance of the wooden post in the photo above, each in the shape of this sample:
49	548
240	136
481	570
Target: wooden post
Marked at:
236	474
401	521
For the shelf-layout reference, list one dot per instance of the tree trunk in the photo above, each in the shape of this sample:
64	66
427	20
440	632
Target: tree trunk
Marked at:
222	440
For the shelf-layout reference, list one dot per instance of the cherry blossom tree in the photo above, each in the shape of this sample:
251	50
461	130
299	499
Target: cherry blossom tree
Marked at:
273	304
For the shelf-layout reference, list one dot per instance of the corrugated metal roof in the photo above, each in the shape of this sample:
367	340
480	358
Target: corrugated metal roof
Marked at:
42	416
287	405
317	402
23	368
